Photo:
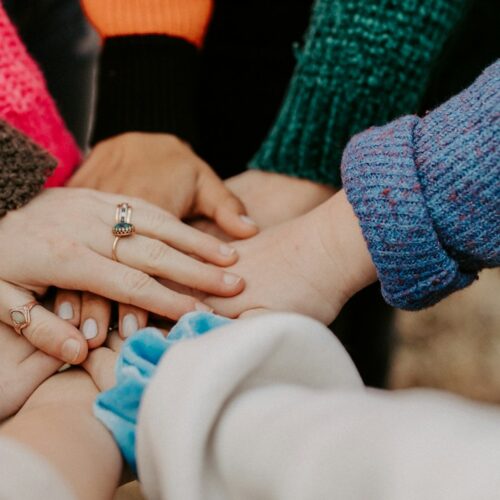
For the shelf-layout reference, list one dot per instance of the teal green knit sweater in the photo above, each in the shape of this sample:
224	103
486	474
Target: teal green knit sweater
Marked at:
363	63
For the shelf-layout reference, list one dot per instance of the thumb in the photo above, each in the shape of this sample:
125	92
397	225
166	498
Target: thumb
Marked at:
44	330
100	365
217	202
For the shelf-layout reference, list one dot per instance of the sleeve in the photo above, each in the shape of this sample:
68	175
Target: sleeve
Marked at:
272	407
24	168
426	192
27	106
363	63
25	475
148	70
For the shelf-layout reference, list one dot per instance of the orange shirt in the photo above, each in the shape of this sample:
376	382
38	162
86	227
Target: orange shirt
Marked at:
187	19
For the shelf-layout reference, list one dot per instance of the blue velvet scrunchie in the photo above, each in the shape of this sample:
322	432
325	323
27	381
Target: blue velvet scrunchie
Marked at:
118	407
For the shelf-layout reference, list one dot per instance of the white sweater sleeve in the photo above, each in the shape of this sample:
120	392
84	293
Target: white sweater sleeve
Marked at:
273	408
24	475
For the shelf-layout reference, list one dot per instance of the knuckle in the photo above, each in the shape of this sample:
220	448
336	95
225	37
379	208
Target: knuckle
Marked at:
93	301
136	281
64	251
38	332
155	220
157	253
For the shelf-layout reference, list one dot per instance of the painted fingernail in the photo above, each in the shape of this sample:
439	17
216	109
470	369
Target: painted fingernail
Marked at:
70	350
226	250
199	306
89	329
247	220
129	325
231	279
65	311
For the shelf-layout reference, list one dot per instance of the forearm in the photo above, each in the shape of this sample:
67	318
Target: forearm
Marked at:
57	424
362	64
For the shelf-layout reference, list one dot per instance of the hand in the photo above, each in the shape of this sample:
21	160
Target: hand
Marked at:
63	238
165	171
272	198
310	265
22	369
100	365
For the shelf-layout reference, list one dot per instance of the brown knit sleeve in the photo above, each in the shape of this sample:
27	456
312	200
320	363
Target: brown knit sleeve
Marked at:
24	167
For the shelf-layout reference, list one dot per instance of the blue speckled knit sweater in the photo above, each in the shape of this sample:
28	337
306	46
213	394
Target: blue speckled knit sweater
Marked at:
427	195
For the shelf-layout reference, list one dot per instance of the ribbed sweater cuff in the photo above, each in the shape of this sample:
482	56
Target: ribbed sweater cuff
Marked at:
363	63
382	184
147	84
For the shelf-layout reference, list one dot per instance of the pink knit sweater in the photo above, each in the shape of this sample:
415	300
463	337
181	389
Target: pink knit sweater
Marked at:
25	103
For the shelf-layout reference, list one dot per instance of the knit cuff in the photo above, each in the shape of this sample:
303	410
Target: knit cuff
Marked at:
363	63
24	167
381	182
147	84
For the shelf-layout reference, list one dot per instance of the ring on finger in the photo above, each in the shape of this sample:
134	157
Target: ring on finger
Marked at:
21	316
123	226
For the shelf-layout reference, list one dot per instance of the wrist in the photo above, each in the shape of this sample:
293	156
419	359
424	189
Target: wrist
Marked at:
341	235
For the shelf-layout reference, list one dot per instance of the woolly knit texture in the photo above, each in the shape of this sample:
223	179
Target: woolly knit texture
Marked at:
24	167
363	63
26	104
427	194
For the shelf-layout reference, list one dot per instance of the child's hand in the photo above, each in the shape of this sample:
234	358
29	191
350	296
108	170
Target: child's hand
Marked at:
163	170
22	369
310	265
100	364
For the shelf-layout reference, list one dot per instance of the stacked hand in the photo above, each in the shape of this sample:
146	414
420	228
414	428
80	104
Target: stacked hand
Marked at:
63	238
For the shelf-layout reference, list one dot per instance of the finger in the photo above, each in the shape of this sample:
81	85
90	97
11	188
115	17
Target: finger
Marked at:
16	345
217	202
114	342
160	225
121	283
100	365
209	227
46	331
22	372
67	306
158	259
95	316
258	311
131	319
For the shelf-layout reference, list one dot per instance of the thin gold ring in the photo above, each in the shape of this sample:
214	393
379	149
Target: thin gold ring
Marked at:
21	316
113	250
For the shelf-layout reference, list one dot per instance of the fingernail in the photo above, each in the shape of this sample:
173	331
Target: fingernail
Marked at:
89	328
129	325
70	350
199	306
231	279
226	250
247	220
65	311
